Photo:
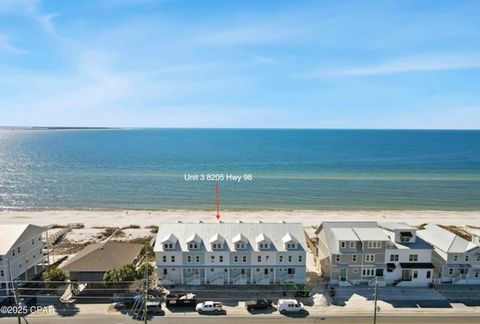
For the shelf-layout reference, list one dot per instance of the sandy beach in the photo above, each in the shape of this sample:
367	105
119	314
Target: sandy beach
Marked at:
119	218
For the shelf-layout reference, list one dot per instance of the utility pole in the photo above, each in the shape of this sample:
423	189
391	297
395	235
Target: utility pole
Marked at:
375	301
14	288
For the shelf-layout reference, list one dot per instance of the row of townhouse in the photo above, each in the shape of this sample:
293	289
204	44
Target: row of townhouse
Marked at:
352	253
230	253
22	254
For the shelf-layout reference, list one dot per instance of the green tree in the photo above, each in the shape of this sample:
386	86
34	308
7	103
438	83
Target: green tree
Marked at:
119	277
141	271
147	248
54	277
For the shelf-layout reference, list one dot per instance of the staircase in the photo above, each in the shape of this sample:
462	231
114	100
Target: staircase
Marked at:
241	279
263	279
167	280
194	280
459	278
282	278
217	279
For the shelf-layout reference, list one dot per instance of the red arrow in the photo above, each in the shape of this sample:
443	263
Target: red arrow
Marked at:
217	191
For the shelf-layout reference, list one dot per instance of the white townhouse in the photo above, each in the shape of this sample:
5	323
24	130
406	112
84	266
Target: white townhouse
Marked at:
408	257
230	253
456	260
21	253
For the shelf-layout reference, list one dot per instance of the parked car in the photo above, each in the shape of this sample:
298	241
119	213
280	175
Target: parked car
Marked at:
258	304
285	306
181	300
209	307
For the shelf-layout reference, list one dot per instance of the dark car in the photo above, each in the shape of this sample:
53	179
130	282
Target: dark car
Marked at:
181	300
258	304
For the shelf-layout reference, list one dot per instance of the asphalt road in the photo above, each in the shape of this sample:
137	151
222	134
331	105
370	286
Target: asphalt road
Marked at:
106	319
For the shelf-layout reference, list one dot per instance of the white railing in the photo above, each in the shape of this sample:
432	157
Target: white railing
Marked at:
261	278
193	278
168	279
461	276
216	277
283	278
239	278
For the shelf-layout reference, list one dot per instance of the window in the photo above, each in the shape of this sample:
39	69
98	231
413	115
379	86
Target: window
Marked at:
13	252
1	258
212	258
478	258
291	246
165	271
413	257
263	246
343	245
216	246
374	245
450	271
33	241
18	249
193	246
167	246
259	258
289	258
394	258
280	258
369	257
164	258
337	257
197	259
476	275
172	258
1	273
300	258
455	258
415	274
352	244
368	272
354	258
240	246
244	258
189	259
429	274
220	258
355	270
467	257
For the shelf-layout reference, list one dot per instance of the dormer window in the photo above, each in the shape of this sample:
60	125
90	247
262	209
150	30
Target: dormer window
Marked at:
217	246
217	242
263	246
168	246
343	245
193	242
193	246
291	246
240	246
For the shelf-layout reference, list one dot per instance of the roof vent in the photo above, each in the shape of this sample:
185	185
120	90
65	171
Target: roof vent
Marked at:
259	222
199	222
220	221
239	222
179	222
282	222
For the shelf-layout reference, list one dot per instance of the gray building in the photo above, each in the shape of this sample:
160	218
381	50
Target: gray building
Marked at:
351	253
230	253
456	260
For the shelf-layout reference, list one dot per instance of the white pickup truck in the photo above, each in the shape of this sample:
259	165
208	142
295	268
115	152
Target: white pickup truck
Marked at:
209	306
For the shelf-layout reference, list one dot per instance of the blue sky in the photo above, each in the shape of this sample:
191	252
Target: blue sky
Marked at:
300	64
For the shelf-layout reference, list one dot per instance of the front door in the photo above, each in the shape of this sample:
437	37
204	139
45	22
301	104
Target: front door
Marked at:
342	276
407	275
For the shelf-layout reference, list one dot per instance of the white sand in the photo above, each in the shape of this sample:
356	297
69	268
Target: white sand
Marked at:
91	218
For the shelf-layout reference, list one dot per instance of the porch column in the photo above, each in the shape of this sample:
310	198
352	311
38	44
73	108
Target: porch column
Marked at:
274	275
181	275
228	275
251	275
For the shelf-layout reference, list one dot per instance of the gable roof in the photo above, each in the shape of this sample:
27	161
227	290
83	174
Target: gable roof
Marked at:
231	232
101	257
217	238
16	234
445	240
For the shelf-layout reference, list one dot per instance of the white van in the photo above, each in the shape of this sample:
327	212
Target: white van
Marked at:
289	306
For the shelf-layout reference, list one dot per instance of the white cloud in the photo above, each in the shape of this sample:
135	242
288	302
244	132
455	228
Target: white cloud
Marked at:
7	46
420	63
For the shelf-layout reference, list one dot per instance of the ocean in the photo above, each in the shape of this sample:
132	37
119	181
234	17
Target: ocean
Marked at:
162	169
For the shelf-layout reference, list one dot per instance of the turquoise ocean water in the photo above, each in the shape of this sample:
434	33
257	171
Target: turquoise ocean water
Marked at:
291	169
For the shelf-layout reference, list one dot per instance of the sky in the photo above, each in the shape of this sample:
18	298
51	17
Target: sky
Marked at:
273	64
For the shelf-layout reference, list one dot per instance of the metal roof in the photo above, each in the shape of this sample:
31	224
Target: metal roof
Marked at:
445	240
231	232
12	234
370	234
